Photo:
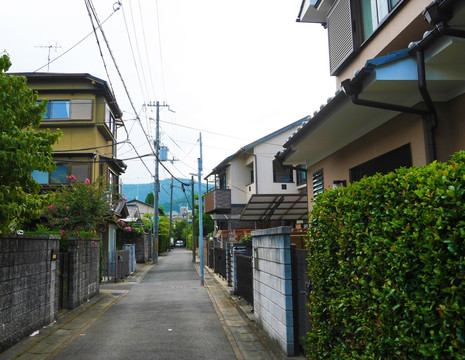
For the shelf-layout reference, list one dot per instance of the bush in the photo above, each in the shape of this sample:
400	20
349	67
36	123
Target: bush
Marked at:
79	206
386	262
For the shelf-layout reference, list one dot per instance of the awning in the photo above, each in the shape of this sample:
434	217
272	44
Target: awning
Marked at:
265	207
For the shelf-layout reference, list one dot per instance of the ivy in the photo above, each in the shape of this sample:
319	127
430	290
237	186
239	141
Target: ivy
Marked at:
387	266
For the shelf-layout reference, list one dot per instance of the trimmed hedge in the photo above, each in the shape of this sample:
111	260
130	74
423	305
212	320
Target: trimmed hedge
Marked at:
386	262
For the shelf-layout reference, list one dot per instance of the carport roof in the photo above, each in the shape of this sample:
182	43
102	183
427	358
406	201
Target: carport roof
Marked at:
266	207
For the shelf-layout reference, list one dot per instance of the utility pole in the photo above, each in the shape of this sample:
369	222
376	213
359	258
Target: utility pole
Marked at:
201	215
156	185
171	214
193	219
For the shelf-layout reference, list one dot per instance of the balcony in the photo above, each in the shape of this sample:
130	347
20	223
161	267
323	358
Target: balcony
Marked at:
218	201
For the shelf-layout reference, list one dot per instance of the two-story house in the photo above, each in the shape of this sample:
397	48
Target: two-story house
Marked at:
252	190
85	109
401	99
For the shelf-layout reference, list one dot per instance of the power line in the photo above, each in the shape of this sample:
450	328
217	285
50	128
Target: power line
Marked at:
79	42
120	75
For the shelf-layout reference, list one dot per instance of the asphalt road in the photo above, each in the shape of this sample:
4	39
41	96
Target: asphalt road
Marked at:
168	315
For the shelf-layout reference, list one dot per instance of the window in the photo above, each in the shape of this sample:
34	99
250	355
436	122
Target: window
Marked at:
301	173
373	13
350	23
400	157
59	176
68	109
110	120
222	178
282	173
61	173
318	182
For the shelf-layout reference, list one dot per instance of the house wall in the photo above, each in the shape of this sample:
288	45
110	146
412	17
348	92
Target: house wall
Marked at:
399	131
405	26
265	154
28	285
451	127
272	283
238	176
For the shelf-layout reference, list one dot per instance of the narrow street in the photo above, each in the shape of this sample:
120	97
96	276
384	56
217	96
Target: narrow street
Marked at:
168	315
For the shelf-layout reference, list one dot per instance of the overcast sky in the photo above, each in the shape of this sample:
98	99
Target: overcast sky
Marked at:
232	70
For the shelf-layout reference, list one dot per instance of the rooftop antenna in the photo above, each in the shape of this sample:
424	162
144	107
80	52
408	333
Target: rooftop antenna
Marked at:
49	47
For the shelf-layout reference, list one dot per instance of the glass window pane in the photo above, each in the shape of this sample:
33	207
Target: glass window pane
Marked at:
393	3
46	114
59	175
40	176
367	15
60	109
383	9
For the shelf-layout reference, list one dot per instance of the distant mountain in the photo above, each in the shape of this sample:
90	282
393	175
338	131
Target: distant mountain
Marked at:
140	191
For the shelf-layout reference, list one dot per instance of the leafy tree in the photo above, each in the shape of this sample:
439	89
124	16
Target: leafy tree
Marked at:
23	148
180	229
149	199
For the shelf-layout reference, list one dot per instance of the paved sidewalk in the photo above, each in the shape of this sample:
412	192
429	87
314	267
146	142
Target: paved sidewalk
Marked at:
235	315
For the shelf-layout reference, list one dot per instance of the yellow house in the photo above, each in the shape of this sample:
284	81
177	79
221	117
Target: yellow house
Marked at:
401	97
85	109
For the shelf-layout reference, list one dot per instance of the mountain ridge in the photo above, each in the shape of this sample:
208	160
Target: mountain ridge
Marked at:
180	198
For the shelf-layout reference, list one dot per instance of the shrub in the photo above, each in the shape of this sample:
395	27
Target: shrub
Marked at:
387	266
79	206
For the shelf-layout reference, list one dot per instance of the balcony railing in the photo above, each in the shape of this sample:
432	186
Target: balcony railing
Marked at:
218	201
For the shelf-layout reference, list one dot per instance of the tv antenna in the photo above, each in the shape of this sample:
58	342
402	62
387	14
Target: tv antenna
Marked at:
49	47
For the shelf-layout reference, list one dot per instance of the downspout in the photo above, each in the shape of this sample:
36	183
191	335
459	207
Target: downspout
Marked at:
429	115
430	120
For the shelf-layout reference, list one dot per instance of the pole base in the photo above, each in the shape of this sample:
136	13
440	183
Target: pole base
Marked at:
155	257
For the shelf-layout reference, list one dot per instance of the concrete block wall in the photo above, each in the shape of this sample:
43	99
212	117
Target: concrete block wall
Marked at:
143	248
84	262
28	285
272	274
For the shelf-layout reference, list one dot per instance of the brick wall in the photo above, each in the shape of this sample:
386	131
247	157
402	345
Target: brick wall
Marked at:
84	268
272	277
28	285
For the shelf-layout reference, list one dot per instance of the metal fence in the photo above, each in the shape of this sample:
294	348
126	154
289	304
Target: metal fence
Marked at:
244	277
220	262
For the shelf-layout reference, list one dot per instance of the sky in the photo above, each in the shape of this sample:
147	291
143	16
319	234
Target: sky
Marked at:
229	72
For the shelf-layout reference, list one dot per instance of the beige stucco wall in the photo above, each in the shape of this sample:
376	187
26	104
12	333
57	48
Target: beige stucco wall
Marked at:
401	130
451	128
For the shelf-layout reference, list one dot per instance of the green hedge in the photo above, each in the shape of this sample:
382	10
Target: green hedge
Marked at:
387	269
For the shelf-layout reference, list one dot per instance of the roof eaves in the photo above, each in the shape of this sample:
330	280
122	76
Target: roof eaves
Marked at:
222	165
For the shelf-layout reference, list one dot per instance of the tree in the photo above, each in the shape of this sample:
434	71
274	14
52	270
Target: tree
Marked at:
180	229
149	199
23	148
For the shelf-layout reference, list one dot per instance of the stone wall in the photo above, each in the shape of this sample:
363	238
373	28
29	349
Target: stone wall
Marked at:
84	269
272	276
28	285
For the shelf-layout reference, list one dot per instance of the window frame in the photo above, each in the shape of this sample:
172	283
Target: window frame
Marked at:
278	169
49	115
